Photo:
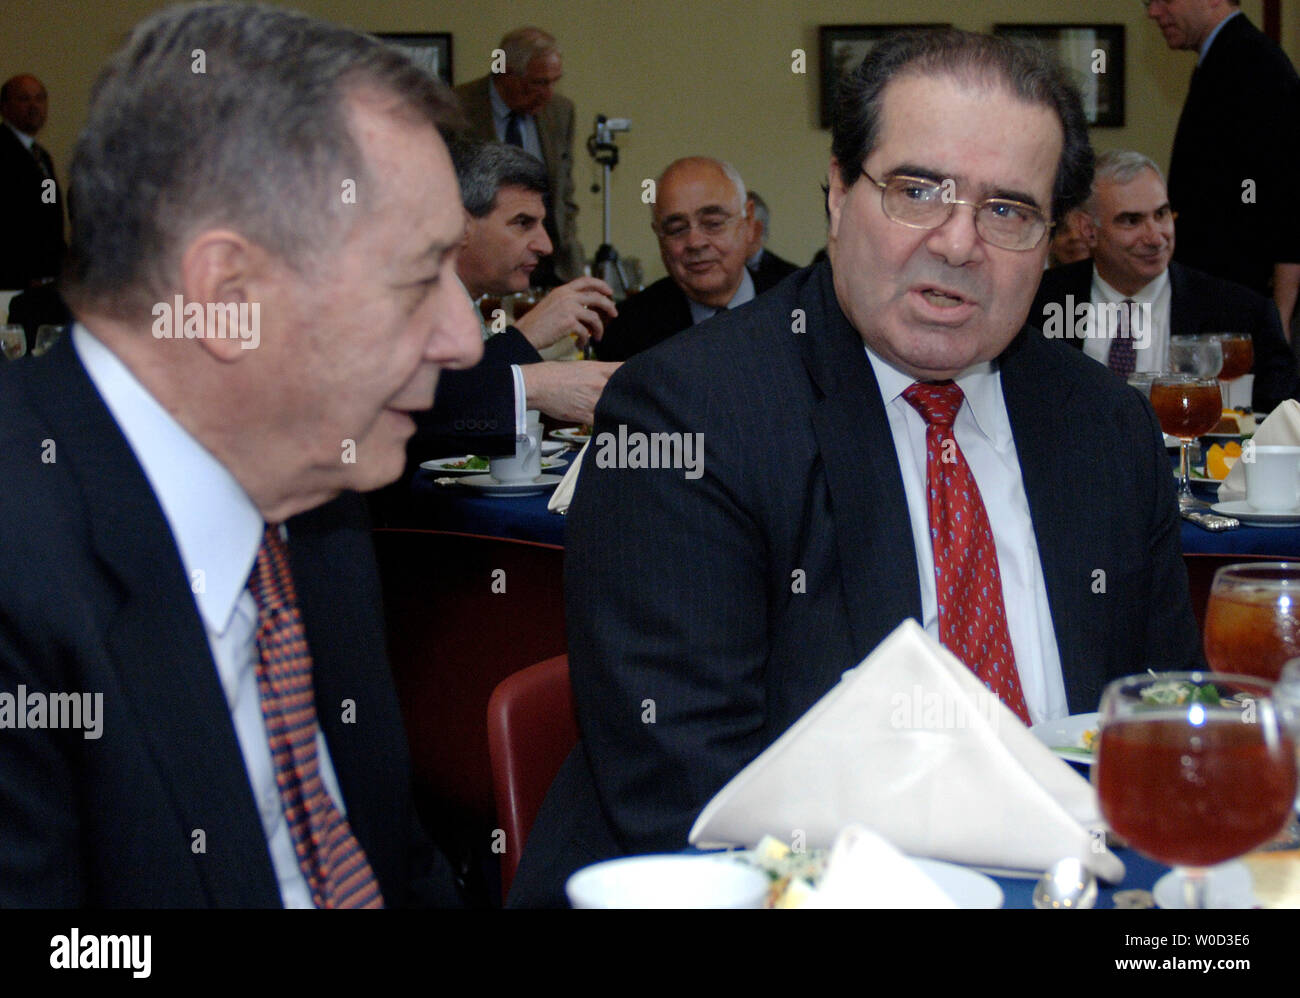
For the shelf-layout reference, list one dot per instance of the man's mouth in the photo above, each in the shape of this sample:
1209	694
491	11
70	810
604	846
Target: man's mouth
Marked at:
942	299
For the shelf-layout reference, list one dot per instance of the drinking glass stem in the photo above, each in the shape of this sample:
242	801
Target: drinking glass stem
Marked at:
1195	888
1184	487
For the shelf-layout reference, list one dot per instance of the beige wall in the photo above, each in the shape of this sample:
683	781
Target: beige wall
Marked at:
711	77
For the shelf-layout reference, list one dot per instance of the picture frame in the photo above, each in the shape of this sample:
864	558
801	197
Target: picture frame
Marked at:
1081	49
843	47
430	50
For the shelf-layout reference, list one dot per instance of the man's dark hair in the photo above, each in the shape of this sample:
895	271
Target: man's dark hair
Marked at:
483	168
225	115
1022	69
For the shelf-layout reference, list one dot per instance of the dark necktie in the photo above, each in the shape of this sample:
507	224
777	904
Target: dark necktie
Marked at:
332	861
42	159
514	134
1122	358
968	586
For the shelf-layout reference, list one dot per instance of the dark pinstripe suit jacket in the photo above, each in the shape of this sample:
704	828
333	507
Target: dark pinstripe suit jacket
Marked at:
679	591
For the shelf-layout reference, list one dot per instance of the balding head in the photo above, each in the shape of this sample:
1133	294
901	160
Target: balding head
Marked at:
24	103
702	220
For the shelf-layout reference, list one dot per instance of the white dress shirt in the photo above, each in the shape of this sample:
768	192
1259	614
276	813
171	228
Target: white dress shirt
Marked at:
983	433
1154	356
218	531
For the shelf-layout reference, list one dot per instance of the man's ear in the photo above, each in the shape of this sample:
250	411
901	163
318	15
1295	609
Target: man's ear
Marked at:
1087	228
836	192
221	267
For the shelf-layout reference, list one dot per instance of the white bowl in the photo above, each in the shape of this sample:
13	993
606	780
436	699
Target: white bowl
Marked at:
668	882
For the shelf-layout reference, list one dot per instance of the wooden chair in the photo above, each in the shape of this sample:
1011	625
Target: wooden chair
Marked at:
531	730
463	612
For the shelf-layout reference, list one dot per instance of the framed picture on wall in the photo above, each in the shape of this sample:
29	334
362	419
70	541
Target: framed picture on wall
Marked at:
1093	57
844	46
429	50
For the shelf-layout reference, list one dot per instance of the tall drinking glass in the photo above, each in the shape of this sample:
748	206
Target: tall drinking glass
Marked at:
1238	357
1193	769
1201	356
1252	621
1187	406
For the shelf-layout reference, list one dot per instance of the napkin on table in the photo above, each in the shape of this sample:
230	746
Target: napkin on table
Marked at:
563	494
912	745
1282	428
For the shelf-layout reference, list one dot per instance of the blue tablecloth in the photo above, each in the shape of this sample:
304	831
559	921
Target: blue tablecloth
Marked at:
527	519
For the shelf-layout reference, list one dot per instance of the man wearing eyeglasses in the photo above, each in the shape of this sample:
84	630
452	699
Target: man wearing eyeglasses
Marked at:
1121	306
883	438
703	221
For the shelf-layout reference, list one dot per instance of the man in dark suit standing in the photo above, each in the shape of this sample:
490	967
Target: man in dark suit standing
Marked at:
735	593
32	247
703	220
1231	174
1129	225
517	103
249	347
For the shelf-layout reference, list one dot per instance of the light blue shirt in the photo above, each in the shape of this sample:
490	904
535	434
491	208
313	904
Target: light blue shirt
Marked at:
527	123
217	530
744	293
1205	46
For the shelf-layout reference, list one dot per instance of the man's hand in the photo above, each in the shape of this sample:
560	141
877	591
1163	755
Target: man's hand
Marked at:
581	307
566	389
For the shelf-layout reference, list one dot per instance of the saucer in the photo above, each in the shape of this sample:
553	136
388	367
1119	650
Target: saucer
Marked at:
1247	513
489	486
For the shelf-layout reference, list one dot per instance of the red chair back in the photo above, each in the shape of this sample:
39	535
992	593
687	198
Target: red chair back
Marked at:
531	730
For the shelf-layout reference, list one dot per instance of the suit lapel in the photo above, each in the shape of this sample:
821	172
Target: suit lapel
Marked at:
868	505
156	641
1038	404
1182	311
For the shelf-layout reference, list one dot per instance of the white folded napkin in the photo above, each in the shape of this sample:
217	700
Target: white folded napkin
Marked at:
563	494
1282	428
865	871
912	745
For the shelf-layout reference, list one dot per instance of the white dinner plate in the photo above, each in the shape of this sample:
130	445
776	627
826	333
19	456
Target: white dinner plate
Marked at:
968	888
570	435
489	486
550	447
1247	513
447	465
1229	885
1065	736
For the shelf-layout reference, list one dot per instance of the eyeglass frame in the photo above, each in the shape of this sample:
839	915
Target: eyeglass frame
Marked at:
699	223
952	204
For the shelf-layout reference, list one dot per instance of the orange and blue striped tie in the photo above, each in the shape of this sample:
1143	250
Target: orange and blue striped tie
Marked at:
332	860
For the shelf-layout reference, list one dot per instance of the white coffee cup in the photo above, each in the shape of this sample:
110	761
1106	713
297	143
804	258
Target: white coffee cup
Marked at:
1272	478
526	463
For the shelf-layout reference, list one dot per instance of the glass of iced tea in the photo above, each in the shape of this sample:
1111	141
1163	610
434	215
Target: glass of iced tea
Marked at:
1193	769
1238	355
1187	407
1252	621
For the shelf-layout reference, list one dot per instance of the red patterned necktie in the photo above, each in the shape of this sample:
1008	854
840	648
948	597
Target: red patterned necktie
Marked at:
332	861
1122	358
968	586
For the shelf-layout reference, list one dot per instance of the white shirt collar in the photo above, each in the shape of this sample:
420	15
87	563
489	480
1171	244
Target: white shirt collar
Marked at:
981	384
216	526
27	140
1149	292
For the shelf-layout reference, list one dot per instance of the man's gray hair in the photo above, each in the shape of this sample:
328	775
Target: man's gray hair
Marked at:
523	45
483	168
230	115
1119	166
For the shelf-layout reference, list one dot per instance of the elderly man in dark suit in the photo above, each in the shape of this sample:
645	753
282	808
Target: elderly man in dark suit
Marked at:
766	267
703	220
1129	225
249	346
517	103
877	432
32	246
1232	170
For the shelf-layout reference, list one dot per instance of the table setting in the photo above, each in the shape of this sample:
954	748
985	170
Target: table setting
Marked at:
909	785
